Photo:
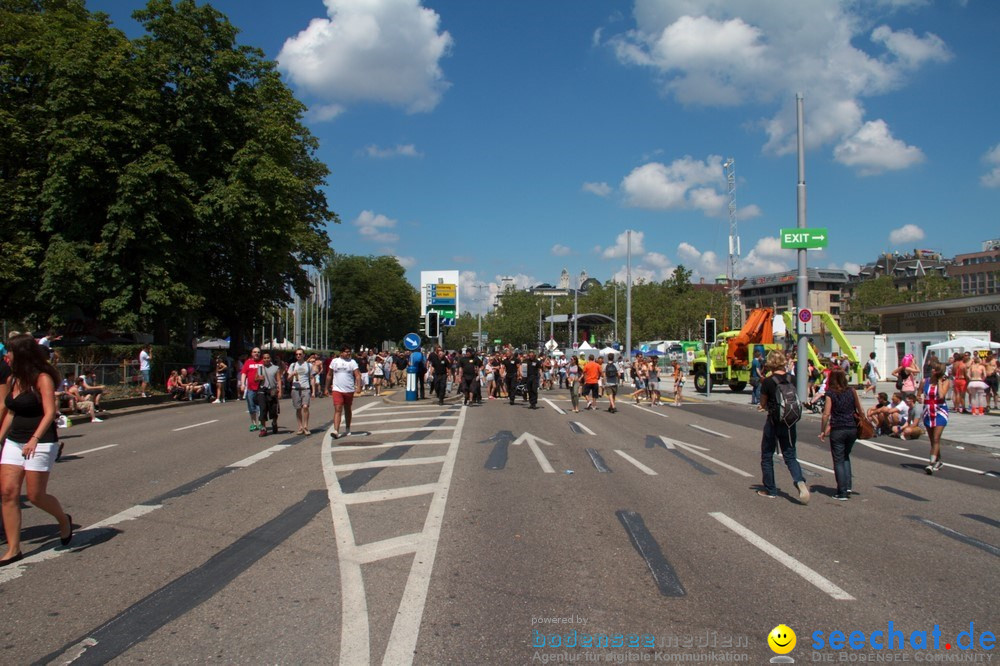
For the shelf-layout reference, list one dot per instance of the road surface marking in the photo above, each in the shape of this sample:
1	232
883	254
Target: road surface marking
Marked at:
809	464
355	636
419	418
196	425
879	447
651	411
642	468
401	462
583	428
532	442
396	430
389	411
554	406
903	493
784	558
690	448
710	432
260	455
361	446
99	448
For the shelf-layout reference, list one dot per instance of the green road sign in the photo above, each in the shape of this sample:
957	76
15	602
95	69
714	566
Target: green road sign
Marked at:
446	312
497	341
808	239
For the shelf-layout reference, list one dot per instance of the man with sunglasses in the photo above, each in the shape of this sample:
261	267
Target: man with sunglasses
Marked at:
300	374
250	384
341	381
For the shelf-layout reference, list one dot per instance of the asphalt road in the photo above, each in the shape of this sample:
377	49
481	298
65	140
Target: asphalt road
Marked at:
488	534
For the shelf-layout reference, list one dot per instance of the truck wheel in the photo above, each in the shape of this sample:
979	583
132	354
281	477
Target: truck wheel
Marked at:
737	387
700	380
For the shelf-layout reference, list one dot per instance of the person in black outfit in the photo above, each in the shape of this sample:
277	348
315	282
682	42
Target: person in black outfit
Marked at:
477	384
467	366
510	366
532	372
439	385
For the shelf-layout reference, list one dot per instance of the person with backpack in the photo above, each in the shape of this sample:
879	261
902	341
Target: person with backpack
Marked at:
611	382
872	375
779	399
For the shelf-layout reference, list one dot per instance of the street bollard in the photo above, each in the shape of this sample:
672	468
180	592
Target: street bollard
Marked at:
411	383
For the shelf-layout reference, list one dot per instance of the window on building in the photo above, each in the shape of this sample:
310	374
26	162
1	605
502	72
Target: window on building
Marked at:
835	309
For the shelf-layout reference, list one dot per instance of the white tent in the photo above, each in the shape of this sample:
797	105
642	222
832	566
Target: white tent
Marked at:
948	347
287	345
608	350
213	343
585	345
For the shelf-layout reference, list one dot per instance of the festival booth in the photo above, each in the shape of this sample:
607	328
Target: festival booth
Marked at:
964	344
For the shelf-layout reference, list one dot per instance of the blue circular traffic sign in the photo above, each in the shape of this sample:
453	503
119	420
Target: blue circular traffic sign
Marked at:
411	341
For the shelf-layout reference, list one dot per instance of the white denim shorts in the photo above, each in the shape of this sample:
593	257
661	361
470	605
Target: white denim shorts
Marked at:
41	461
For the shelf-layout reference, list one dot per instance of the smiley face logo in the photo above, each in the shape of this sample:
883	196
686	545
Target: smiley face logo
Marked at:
781	639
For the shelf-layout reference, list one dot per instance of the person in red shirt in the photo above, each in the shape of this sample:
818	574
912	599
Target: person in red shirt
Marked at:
249	385
591	379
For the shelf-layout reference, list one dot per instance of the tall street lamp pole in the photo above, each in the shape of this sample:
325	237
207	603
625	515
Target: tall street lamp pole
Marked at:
628	296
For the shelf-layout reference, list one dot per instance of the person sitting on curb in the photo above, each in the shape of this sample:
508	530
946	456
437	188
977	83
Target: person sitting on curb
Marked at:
83	403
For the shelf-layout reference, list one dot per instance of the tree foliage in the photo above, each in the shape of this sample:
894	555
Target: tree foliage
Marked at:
371	300
144	179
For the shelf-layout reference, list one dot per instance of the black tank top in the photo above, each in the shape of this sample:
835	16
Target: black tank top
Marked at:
28	413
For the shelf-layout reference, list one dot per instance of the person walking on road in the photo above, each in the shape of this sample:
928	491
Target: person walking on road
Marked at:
777	433
678	384
591	381
511	369
440	366
300	375
841	413
611	382
269	394
249	383
30	441
573	382
936	413
341	381
532	378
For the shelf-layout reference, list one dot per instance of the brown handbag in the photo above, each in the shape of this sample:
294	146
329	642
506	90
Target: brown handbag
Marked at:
866	429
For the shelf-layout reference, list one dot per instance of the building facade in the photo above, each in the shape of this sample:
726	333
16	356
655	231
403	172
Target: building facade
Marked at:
778	291
978	273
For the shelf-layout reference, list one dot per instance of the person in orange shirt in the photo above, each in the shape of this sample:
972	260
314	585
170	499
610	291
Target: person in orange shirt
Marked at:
591	379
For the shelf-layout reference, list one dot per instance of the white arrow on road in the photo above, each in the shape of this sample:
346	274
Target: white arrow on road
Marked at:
533	443
697	450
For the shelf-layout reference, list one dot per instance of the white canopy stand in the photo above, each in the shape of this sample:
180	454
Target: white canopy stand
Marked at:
964	344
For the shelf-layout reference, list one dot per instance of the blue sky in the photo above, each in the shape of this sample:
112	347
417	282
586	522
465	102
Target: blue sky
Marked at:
519	137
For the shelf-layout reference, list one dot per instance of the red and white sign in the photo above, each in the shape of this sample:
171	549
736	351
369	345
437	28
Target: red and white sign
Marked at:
805	315
804	326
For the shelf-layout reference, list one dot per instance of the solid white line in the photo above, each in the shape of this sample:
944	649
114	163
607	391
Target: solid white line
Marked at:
409	410
387	445
893	447
809	464
394	547
419	418
99	448
710	432
689	449
429	428
260	455
367	496
784	558
584	428
196	425
402	462
878	447
651	411
635	462
554	406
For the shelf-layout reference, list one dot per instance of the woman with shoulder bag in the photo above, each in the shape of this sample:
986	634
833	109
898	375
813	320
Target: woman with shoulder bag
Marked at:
841	414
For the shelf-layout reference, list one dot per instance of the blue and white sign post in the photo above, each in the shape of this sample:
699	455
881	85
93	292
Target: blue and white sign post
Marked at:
412	343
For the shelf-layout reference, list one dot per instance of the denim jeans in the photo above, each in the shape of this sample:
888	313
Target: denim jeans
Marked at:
252	406
841	442
776	435
755	399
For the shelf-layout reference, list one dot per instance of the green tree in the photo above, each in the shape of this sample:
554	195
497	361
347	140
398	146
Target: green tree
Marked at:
372	300
868	294
935	287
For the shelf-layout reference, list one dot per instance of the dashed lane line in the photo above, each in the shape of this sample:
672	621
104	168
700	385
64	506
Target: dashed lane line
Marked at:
196	425
554	406
639	465
710	432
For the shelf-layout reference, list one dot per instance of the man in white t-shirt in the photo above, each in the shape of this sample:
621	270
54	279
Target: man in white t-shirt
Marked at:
343	378
300	373
144	358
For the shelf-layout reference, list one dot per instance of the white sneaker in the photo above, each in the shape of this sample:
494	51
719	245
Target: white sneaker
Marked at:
803	492
96	420
216	402
61	423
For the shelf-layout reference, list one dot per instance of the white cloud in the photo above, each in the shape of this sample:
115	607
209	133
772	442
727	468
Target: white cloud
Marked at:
620	248
385	51
748	212
873	150
767	256
992	158
406	262
702	264
374	227
849	266
640	274
658	260
399	150
685	183
908	233
560	250
746	52
600	189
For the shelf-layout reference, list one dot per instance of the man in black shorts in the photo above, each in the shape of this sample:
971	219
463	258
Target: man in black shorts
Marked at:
439	363
468	369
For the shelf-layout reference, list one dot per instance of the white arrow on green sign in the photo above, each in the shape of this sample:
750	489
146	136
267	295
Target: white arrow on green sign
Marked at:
808	239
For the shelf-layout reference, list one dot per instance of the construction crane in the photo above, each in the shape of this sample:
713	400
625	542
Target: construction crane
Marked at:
732	268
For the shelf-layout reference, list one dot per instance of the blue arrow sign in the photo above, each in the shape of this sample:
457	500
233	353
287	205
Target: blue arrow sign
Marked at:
411	341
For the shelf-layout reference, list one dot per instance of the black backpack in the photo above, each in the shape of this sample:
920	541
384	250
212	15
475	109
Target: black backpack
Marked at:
789	409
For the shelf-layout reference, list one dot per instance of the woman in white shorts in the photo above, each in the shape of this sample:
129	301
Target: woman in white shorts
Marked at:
30	442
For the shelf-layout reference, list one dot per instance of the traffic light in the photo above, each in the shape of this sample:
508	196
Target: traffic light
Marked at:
709	331
432	322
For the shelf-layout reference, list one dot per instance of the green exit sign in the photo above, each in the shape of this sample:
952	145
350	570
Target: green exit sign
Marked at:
807	239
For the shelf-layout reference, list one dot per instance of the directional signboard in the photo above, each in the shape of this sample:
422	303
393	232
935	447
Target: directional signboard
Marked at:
411	341
804	239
